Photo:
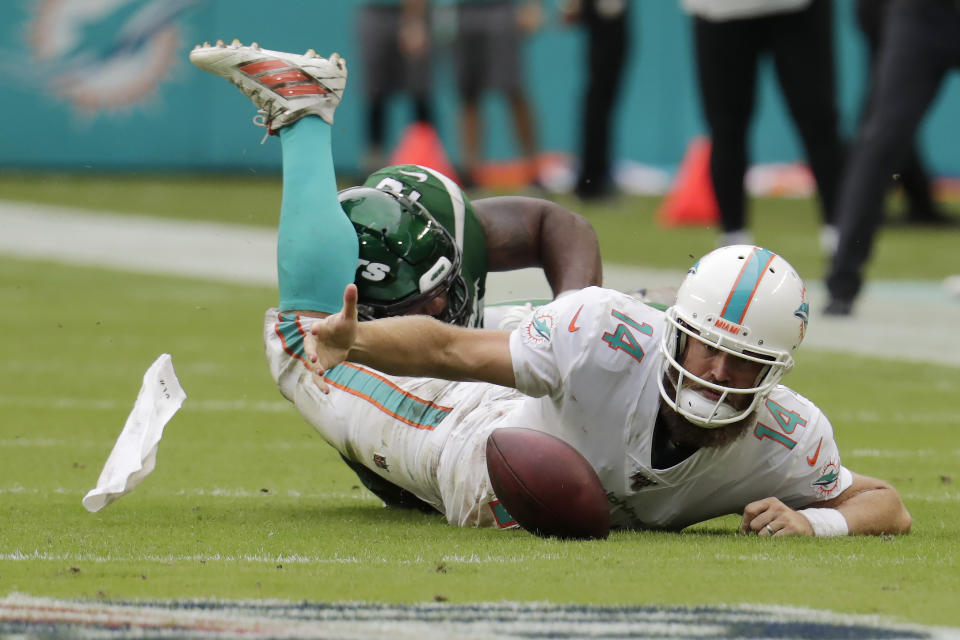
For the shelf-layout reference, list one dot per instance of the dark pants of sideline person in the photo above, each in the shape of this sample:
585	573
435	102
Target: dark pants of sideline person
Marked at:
921	44
912	175
606	57
727	55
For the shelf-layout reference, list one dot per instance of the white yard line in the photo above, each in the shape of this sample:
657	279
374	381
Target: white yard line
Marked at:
911	320
231	253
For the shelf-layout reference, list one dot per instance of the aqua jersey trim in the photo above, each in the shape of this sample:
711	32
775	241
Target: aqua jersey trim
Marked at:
364	383
502	516
386	396
741	295
291	334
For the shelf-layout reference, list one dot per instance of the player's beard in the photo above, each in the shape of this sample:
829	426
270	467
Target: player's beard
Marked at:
686	433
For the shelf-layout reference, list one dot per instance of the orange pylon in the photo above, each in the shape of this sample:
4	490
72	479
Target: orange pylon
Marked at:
421	145
691	200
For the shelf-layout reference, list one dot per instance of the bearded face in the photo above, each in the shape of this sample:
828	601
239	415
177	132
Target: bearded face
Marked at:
685	433
718	367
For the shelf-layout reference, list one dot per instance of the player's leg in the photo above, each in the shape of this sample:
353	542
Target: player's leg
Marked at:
727	55
298	94
392	496
469	53
317	245
608	41
911	70
463	482
504	72
389	430
379	48
809	89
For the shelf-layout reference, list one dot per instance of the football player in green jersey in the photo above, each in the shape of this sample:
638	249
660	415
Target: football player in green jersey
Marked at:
443	272
411	239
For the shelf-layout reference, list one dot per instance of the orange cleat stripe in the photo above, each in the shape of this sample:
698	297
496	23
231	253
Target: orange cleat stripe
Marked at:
302	90
284	76
266	65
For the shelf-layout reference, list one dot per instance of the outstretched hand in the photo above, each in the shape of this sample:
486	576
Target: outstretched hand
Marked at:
331	338
770	517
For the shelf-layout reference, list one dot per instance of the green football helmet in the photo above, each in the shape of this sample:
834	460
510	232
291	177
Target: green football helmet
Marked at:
407	258
451	207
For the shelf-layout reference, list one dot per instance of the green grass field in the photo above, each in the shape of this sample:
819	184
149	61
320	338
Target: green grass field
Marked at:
248	502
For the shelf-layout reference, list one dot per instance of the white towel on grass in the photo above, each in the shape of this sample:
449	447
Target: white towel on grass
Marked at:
134	455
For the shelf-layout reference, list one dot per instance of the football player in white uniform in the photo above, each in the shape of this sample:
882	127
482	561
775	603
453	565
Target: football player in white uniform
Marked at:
409	237
680	412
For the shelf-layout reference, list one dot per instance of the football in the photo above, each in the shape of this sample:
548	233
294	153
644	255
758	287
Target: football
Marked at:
546	485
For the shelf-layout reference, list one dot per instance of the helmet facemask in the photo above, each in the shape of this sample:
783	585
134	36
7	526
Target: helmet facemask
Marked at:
407	258
744	301
689	401
456	309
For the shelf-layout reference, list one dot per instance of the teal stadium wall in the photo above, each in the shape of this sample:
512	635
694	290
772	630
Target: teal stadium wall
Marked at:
90	85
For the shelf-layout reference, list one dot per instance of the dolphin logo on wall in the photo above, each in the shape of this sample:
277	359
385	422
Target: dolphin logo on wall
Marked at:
105	55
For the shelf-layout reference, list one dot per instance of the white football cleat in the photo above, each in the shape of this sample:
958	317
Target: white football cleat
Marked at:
285	86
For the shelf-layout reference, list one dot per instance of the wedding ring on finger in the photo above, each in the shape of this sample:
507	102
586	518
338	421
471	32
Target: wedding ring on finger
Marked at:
769	529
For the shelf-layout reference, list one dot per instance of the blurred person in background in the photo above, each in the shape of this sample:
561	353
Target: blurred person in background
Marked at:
394	39
730	37
489	57
920	46
608	37
921	209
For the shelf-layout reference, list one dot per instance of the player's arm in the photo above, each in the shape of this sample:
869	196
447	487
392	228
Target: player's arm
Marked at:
868	507
408	346
871	507
531	232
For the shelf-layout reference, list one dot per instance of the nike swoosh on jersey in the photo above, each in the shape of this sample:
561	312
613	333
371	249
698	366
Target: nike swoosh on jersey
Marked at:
812	460
419	175
573	323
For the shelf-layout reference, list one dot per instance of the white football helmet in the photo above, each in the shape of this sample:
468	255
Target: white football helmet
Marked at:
746	301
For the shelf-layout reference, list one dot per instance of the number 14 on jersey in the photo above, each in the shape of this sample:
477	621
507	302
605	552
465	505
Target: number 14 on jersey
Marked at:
623	338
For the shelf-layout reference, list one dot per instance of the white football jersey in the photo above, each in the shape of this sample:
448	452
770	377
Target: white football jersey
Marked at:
591	360
424	435
588	364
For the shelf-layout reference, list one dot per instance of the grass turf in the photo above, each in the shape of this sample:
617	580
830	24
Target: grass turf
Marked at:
247	502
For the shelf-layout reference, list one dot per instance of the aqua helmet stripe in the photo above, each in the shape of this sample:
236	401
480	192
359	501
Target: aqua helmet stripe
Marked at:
741	295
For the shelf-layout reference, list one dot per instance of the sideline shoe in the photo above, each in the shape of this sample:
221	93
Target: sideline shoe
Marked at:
285	86
838	307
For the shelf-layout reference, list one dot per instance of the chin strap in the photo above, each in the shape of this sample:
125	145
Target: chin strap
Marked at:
694	407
